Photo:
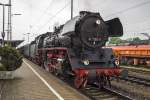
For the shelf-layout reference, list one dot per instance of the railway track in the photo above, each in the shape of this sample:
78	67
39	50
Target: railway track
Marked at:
137	70
138	80
94	93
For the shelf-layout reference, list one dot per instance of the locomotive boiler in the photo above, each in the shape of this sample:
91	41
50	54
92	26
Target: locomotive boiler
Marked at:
76	49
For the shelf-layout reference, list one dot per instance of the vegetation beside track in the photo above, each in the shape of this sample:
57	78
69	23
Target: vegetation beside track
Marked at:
10	58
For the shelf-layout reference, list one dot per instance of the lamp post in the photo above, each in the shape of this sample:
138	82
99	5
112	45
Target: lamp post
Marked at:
71	9
24	37
16	14
9	20
3	32
10	25
28	37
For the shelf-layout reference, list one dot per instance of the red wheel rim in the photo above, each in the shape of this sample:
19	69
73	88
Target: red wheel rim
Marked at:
50	69
78	82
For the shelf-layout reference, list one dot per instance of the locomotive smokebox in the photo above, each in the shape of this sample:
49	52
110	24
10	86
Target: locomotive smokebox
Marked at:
92	30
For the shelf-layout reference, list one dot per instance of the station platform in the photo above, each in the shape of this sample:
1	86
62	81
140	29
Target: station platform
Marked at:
31	82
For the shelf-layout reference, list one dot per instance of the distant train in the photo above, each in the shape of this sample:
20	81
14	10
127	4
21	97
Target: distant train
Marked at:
76	49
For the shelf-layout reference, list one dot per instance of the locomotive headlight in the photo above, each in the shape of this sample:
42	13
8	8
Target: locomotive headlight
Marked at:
86	62
98	22
117	62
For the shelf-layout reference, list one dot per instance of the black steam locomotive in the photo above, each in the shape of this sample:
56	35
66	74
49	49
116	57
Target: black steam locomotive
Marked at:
77	49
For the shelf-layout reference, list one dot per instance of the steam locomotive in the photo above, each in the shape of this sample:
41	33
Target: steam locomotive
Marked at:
76	50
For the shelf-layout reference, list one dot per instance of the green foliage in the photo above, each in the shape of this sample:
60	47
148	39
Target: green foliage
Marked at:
133	41
2	68
11	59
137	41
116	41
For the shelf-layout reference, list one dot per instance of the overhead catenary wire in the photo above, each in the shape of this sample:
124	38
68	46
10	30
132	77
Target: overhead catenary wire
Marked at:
127	9
135	6
137	23
141	30
44	12
53	17
130	8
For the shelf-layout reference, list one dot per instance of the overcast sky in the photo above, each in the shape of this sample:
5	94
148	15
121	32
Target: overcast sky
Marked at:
39	16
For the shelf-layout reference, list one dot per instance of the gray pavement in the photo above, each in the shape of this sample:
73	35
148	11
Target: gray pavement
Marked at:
28	86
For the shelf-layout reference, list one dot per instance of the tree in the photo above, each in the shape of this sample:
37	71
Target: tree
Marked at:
11	59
